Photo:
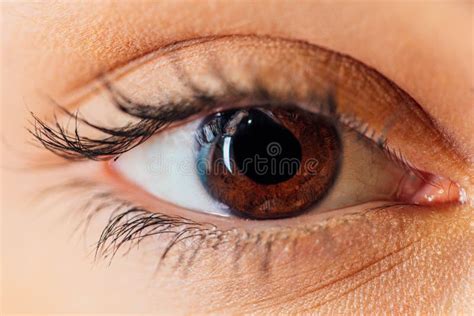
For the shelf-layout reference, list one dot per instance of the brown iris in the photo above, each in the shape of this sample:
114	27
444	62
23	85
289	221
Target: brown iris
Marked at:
267	163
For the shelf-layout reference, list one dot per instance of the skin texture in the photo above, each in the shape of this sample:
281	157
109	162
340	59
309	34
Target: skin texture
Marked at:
426	264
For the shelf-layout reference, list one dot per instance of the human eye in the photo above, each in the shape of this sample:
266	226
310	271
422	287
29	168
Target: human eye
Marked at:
267	152
191	140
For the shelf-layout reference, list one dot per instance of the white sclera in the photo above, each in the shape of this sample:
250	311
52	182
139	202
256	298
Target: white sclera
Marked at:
165	166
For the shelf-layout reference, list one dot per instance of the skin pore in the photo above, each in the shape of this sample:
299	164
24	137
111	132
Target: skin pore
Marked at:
56	49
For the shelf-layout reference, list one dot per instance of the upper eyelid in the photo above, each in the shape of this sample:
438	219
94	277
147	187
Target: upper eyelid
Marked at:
95	87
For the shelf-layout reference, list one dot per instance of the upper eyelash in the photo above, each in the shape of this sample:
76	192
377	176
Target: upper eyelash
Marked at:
154	118
58	139
73	146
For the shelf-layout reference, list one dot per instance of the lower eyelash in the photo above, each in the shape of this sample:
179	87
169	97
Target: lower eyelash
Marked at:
129	225
134	224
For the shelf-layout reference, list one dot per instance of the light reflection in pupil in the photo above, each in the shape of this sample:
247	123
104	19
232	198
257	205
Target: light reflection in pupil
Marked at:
264	150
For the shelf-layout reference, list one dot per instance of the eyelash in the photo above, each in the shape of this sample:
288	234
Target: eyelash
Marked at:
132	224
153	119
128	225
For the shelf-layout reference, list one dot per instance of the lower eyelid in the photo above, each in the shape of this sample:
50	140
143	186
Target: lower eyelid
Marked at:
325	290
396	232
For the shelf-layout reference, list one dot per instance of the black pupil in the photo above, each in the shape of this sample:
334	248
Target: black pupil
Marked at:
265	151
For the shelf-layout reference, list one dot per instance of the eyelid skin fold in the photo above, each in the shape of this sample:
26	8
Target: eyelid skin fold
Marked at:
290	69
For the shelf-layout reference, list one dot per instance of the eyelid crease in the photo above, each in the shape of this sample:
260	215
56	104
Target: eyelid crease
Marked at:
93	86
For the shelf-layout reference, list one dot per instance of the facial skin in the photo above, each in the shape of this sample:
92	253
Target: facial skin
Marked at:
56	48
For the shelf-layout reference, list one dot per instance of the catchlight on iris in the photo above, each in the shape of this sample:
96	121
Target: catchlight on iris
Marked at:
267	163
